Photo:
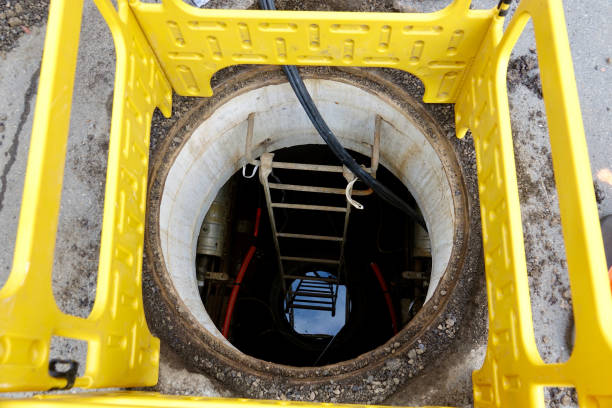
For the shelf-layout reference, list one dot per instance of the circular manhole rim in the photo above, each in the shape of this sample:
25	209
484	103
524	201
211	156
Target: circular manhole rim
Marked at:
205	351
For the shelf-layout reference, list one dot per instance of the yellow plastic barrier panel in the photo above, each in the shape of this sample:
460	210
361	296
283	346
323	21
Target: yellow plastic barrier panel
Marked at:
461	55
135	399
121	351
514	374
193	44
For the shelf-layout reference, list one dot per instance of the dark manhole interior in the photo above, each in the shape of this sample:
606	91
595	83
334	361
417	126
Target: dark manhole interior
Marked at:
380	286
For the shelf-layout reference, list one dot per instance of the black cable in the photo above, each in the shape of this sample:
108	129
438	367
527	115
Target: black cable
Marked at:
325	349
336	147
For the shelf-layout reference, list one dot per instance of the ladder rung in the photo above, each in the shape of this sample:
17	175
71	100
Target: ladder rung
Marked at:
306	293
313	302
308	236
321	285
321	289
315	290
310	293
313	260
314	189
309	299
306	280
313	293
309	207
306	166
310	278
325	301
329	309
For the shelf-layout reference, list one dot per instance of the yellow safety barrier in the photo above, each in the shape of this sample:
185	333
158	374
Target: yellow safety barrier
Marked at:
121	351
461	55
193	44
135	399
514	374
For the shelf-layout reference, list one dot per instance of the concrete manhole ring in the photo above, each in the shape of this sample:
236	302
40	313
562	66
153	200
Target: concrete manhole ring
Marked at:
206	146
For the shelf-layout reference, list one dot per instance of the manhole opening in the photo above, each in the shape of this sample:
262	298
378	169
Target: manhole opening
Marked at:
379	286
203	156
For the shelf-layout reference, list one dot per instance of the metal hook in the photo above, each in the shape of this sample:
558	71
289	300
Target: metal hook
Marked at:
348	191
252	174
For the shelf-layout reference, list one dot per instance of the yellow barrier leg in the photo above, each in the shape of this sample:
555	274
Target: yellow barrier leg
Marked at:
514	374
121	351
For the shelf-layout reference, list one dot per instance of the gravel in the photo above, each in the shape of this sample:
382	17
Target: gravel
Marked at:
17	19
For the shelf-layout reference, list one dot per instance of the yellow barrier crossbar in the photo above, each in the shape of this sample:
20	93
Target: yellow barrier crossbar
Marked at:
135	399
193	44
461	55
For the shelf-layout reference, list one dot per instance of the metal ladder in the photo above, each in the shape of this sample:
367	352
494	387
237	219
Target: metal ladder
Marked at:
312	292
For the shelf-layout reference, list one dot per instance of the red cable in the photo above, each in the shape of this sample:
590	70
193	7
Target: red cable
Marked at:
232	301
257	218
241	273
385	290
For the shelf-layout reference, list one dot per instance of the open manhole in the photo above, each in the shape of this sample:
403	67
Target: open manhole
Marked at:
328	305
345	314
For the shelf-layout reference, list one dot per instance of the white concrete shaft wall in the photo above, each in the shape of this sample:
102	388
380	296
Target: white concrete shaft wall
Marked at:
216	150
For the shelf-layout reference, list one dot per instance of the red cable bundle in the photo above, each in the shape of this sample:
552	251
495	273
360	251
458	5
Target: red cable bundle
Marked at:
239	278
385	290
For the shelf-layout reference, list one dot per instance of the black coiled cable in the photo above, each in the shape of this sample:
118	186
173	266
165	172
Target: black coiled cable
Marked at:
336	147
